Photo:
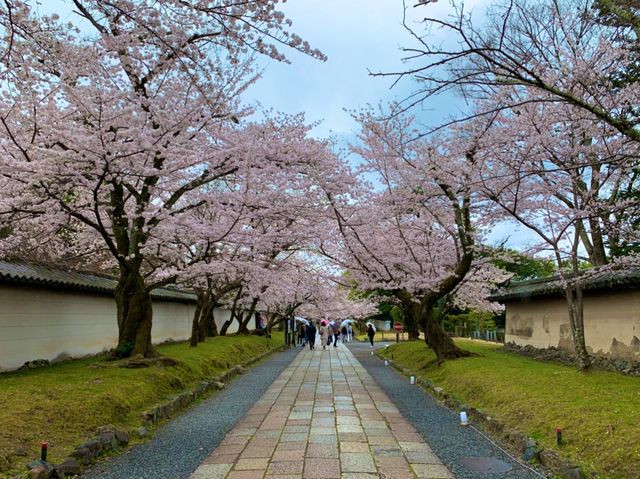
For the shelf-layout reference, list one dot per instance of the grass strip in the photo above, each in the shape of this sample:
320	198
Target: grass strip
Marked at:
599	412
65	403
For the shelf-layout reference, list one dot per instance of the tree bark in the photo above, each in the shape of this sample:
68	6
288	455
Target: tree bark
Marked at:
212	327
575	302
134	311
195	328
437	338
245	317
412	314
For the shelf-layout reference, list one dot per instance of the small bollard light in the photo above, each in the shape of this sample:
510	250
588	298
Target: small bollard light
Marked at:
371	353
43	451
412	379
559	436
386	362
464	420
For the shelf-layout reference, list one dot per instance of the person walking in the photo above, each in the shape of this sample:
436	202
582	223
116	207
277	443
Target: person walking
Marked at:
349	332
311	335
345	333
371	332
302	335
324	334
336	333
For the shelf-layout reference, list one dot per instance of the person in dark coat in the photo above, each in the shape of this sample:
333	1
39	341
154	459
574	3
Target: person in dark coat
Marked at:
311	335
371	332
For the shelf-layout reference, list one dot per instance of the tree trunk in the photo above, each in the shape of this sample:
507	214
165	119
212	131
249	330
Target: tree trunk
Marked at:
212	327
412	314
195	326
246	317
134	311
575	303
226	325
437	338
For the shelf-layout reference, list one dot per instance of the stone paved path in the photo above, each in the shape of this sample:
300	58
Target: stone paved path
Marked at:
323	418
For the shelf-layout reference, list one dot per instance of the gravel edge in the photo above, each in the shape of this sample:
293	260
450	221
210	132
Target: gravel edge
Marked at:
438	425
179	446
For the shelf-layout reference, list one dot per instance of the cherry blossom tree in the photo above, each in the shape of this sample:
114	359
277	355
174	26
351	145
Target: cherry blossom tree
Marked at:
121	117
416	233
559	174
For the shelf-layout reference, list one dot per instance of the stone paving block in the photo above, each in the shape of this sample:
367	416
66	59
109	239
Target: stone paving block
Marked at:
378	432
352	436
286	467
321	469
323	431
386	451
422	457
407	436
293	437
245	475
357	462
383	441
414	446
268	433
322	450
343	420
350	428
396	474
211	471
431	471
242	431
391	462
235	440
258	452
359	475
321	439
244	464
288	455
229	449
354	446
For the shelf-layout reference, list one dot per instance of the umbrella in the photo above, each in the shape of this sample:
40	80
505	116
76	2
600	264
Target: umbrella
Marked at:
324	322
374	328
348	321
302	320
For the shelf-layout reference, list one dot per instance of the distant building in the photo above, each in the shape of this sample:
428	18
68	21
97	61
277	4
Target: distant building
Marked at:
537	314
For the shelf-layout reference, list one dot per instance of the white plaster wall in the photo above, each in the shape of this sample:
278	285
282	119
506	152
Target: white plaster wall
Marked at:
612	323
41	324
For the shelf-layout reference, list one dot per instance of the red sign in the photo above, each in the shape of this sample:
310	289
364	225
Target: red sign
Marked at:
398	327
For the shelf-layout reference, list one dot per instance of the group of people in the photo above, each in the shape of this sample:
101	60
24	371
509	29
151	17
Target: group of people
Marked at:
330	333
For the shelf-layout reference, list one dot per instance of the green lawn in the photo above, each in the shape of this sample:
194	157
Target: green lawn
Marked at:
599	412
64	404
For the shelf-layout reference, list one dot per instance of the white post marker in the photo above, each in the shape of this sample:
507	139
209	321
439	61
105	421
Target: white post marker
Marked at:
412	379
371	353
386	362
464	420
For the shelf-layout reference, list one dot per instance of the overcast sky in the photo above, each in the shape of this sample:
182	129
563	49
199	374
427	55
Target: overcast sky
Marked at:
358	36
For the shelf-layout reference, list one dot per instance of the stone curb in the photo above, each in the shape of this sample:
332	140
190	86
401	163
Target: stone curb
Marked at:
109	439
526	447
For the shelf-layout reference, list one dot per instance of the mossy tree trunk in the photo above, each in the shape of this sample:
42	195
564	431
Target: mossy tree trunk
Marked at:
134	313
412	313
